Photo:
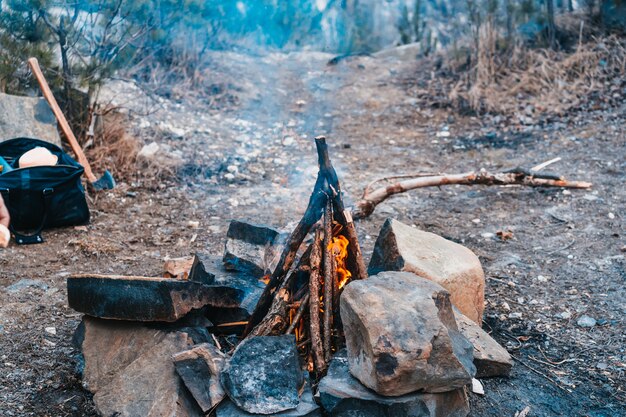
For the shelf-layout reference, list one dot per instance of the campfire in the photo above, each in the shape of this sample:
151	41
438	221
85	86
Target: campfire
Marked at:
283	317
305	300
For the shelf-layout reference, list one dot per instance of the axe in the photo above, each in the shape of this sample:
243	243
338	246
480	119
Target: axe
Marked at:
106	182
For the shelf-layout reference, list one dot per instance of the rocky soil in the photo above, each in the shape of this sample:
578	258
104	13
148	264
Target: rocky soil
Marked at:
242	148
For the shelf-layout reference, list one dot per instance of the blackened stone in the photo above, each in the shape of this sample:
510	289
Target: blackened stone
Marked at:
199	368
202	267
210	270
264	375
251	248
306	408
342	395
401	335
146	299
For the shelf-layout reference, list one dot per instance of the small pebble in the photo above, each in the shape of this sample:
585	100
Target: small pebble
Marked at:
611	216
51	330
566	315
515	315
586	321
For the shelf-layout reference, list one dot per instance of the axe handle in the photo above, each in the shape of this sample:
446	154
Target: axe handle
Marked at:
65	127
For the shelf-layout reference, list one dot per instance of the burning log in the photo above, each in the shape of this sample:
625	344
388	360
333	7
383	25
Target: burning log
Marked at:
314	304
518	176
329	281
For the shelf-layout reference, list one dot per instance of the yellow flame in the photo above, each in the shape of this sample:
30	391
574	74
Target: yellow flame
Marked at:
339	248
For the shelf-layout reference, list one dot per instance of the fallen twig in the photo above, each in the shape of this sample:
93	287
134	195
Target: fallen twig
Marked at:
371	199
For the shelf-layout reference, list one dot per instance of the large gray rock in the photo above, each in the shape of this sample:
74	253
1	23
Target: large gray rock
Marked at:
490	358
342	395
401	335
29	117
200	369
251	248
403	248
128	368
145	298
307	407
264	376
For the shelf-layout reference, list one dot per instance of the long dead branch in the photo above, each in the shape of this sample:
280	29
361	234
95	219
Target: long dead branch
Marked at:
371	199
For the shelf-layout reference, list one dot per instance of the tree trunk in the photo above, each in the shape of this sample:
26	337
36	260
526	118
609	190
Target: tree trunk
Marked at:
550	22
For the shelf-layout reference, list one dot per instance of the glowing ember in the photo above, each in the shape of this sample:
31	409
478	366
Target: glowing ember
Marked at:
339	248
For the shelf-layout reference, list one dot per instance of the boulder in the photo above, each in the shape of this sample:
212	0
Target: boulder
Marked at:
200	369
490	358
307	407
401	335
210	270
264	376
145	298
29	117
128	368
403	248
342	395
251	248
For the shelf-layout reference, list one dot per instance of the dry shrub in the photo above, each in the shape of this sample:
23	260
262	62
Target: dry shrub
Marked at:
117	150
550	81
112	147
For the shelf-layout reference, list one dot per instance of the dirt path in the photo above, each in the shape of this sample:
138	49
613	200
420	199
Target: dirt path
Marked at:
256	161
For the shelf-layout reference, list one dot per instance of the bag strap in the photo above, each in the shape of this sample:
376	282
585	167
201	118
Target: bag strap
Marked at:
35	236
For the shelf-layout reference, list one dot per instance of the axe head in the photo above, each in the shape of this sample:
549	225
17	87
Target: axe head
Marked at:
106	182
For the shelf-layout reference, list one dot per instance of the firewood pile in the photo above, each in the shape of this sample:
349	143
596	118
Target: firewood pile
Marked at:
292	324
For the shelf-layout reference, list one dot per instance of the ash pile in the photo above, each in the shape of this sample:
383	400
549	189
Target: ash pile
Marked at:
293	325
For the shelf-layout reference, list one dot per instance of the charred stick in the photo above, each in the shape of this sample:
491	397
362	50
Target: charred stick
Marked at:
311	216
314	303
298	316
329	280
342	215
277	317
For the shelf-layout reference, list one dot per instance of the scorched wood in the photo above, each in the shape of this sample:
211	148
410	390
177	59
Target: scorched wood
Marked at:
144	298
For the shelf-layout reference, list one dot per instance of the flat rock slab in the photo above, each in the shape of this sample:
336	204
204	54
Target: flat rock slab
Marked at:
400	247
144	298
251	248
307	407
490	358
29	117
401	335
200	368
342	395
210	270
128	368
264	376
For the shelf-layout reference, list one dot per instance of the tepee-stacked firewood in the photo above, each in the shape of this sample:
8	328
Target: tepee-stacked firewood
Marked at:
305	300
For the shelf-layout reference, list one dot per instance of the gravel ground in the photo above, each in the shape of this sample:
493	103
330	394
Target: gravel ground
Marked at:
555	289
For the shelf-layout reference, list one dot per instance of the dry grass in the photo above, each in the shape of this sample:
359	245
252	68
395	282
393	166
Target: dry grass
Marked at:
113	148
547	80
